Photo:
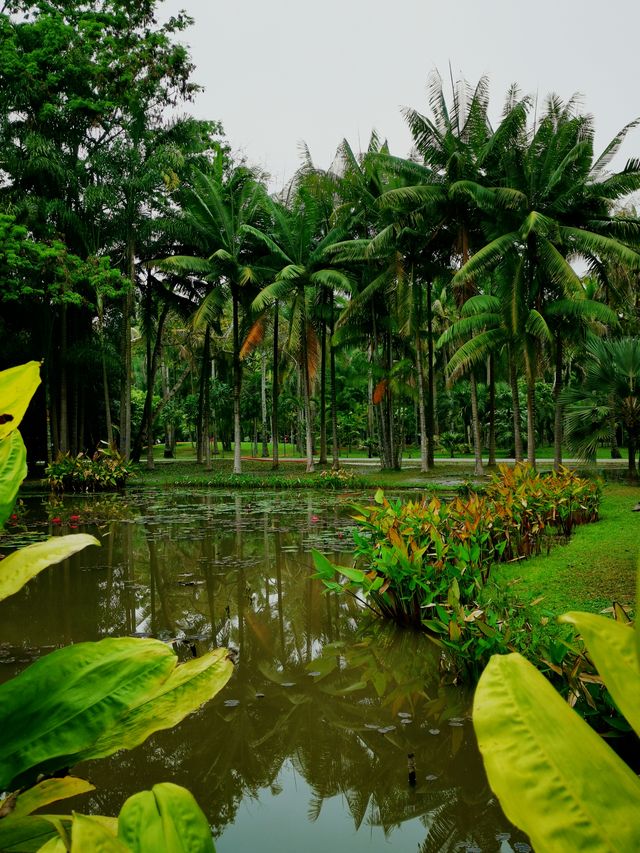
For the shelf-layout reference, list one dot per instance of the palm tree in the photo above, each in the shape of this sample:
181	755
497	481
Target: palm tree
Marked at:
609	393
217	206
456	143
299	248
552	206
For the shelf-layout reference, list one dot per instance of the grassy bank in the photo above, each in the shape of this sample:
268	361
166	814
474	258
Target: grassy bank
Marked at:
596	567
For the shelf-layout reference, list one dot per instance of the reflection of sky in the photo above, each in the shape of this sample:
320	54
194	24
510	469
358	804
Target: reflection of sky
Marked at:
280	823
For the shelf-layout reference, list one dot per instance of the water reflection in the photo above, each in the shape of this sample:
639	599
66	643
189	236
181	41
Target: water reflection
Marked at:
333	730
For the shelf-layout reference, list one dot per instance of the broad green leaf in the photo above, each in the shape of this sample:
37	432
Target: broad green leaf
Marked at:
20	567
324	568
612	646
188	687
54	845
554	776
63	703
354	575
13	470
49	791
17	387
379	497
30	833
90	834
166	819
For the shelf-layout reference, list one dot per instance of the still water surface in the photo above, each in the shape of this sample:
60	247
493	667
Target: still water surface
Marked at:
307	748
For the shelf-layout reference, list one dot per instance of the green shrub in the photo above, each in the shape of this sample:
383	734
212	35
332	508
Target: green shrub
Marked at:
419	562
104	471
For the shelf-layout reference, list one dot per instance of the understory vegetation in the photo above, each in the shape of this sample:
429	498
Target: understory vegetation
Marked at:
431	565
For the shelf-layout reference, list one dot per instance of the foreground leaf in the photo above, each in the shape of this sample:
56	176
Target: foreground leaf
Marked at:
59	706
554	776
188	687
90	834
13	470
49	791
166	819
17	387
18	568
612	646
28	834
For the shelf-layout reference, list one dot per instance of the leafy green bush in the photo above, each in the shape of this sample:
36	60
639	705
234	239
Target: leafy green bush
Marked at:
105	470
420	562
340	479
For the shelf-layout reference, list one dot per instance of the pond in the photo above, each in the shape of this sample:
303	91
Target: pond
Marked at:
335	732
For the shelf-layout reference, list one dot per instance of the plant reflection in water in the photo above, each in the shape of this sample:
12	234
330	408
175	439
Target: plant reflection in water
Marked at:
321	696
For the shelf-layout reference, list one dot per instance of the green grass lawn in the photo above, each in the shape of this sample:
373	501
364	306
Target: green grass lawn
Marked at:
186	450
597	566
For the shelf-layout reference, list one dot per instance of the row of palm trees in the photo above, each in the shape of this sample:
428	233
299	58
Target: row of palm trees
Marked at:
357	255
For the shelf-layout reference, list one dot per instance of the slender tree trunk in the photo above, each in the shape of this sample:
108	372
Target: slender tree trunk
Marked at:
214	419
431	397
263	403
335	448
517	434
237	385
206	421
63	435
477	443
306	391
275	392
147	420
492	412
531	422
201	438
169	430
631	449
557	426
105	388
424	465
323	394
125	397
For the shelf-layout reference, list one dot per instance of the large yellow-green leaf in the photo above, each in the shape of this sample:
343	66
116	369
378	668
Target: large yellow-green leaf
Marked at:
612	646
89	835
554	776
46	792
166	819
60	705
17	387
20	567
189	685
13	470
30	833
54	845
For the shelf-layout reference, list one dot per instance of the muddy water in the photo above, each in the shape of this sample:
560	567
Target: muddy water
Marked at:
334	733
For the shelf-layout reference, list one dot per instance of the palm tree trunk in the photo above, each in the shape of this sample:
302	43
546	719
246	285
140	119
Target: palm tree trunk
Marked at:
275	437
492	413
237	385
430	383
424	465
206	420
105	380
517	435
477	445
557	426
306	393
631	449
531	422
335	450
263	402
323	396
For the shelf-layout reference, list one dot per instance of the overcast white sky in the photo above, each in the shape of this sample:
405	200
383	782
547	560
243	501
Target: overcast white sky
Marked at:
278	72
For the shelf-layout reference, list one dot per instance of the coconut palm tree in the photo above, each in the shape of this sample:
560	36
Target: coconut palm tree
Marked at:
217	205
552	205
609	393
298	246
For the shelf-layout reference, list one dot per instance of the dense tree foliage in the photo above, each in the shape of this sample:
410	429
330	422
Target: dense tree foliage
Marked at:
433	300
